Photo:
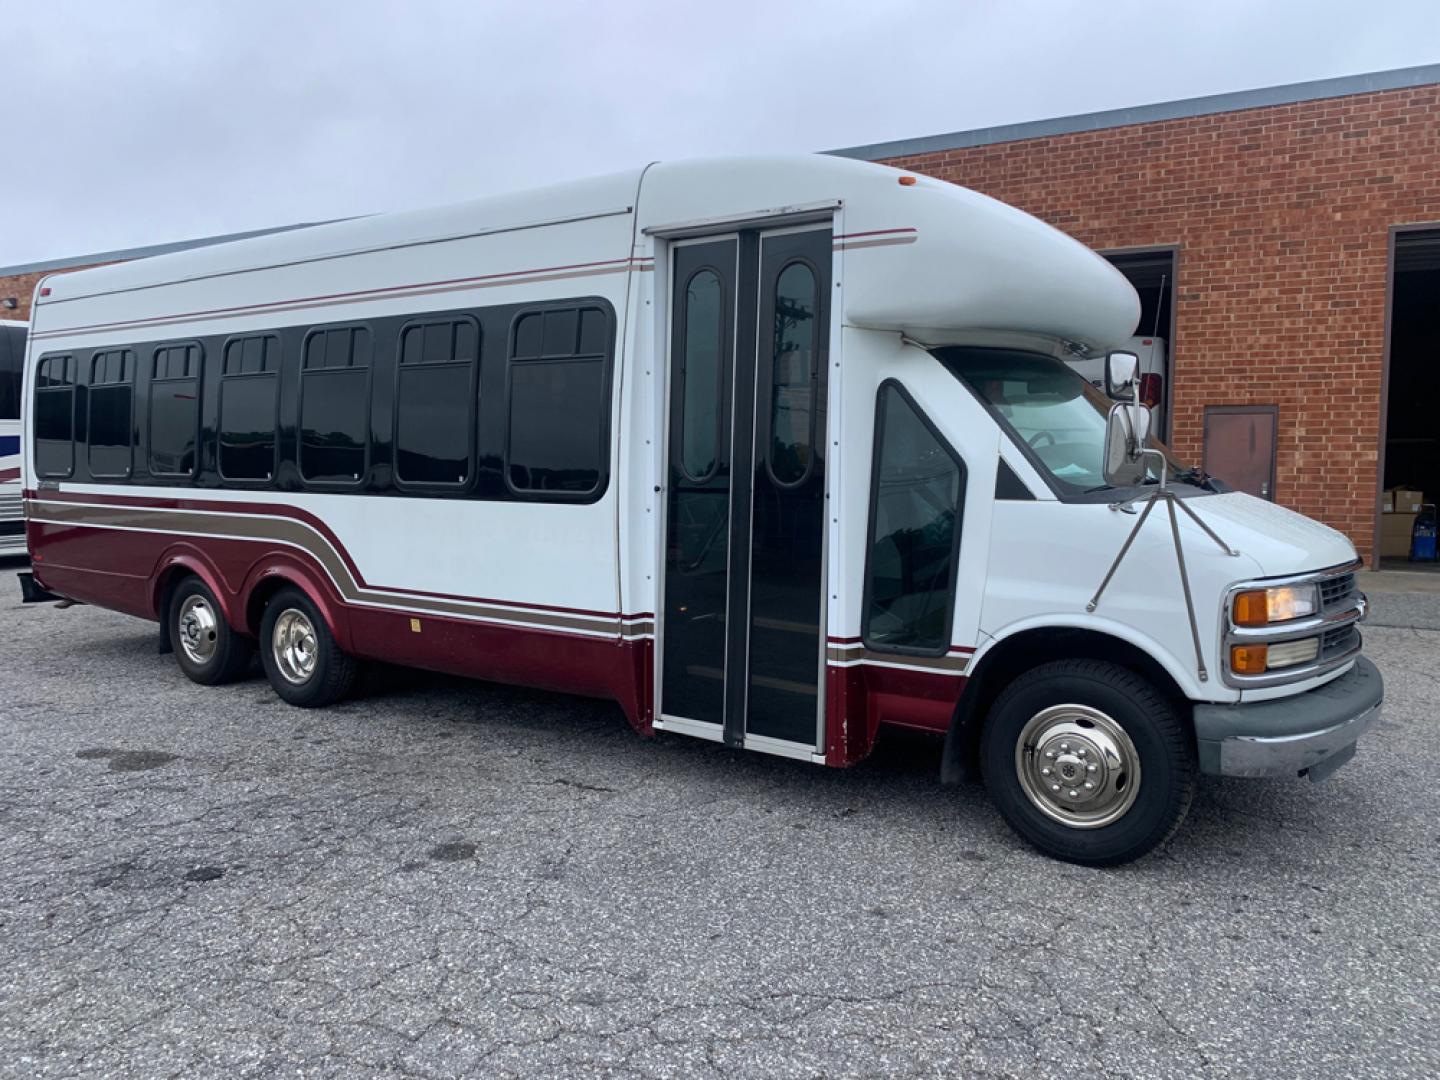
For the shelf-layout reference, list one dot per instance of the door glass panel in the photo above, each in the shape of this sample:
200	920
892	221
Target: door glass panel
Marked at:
786	594
697	545
793	400
704	336
917	503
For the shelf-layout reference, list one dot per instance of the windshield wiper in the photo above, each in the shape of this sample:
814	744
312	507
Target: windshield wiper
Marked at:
1199	477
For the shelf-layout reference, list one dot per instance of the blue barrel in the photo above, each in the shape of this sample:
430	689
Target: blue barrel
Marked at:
1422	535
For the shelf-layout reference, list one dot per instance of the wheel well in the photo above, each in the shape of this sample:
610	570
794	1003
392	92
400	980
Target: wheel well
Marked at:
164	591
260	598
1027	650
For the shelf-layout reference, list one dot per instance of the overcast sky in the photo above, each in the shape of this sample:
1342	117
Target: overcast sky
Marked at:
142	122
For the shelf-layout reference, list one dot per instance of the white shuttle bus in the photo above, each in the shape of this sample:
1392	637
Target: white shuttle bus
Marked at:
773	452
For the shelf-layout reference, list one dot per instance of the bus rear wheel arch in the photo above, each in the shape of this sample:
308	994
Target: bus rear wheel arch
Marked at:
209	651
1087	761
302	659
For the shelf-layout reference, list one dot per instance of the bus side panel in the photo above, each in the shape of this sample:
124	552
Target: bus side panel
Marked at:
592	666
864	696
107	568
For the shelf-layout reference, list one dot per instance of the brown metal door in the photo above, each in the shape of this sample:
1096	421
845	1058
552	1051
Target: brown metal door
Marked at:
1240	447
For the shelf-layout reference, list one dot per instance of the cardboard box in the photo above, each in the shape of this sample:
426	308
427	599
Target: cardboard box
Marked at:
1408	500
1395	535
1387	502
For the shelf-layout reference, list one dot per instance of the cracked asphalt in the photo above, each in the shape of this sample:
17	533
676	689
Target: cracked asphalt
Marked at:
441	878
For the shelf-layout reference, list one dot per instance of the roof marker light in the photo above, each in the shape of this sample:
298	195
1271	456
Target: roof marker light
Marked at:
45	290
907	181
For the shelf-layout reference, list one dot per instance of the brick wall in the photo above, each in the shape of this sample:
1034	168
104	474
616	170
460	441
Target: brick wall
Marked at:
22	288
1282	216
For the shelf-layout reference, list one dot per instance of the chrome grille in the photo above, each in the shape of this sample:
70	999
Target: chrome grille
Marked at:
9	506
1336	591
1338	642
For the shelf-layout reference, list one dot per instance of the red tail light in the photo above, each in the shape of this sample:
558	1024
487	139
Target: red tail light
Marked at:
1150	389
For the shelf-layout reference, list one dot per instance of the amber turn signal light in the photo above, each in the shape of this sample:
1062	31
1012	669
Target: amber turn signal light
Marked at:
1248	659
1251	608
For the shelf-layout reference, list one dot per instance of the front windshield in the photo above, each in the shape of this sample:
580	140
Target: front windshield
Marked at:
1049	408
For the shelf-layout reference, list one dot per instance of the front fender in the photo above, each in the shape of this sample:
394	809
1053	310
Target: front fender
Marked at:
1182	670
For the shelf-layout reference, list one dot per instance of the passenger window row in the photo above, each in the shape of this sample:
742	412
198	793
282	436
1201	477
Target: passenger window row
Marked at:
508	402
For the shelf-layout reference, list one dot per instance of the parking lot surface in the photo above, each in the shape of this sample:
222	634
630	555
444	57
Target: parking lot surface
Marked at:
441	878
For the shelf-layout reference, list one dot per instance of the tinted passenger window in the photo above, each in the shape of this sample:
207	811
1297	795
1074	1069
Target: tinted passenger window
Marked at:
55	416
916	506
110	431
12	364
701	402
435	402
792	420
335	405
559	401
175	410
249	387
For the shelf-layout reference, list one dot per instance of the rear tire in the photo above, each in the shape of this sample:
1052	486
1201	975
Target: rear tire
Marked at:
305	664
1088	762
208	651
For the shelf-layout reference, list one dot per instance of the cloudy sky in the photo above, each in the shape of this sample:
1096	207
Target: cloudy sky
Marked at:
142	122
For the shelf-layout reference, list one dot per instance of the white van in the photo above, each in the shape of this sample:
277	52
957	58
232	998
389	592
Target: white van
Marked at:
773	452
1154	375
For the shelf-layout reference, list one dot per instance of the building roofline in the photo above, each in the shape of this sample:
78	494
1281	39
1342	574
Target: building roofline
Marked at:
126	254
1289	94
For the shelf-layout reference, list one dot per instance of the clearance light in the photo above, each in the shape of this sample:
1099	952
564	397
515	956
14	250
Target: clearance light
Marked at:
1248	659
1290	653
1150	390
1260	607
907	181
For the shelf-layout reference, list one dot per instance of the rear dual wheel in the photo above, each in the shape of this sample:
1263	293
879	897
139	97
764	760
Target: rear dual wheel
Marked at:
305	664
1088	761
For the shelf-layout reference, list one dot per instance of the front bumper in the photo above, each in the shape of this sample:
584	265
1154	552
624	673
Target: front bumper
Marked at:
1313	733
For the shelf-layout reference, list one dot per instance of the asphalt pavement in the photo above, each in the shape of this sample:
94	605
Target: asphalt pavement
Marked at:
443	878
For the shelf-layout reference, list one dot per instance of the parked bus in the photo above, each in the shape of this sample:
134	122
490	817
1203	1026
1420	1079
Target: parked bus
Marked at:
12	363
773	452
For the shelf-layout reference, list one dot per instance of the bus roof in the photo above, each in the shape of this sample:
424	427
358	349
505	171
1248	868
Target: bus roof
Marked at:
939	260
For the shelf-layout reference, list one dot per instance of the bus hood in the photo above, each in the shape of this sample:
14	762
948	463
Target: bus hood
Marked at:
1280	540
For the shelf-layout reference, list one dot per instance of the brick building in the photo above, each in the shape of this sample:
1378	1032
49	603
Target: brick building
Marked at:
1286	245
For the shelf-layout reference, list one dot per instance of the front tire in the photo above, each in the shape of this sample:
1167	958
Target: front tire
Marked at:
1088	762
305	664
208	651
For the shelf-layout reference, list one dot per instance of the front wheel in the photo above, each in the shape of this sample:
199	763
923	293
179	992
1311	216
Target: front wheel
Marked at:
305	664
1088	761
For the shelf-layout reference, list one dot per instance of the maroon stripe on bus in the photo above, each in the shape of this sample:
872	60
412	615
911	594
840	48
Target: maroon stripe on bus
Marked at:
295	513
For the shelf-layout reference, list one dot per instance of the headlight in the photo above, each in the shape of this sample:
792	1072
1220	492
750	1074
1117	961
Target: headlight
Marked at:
1260	607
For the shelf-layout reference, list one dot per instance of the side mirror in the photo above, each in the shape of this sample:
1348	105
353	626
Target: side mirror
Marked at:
1126	430
1122	372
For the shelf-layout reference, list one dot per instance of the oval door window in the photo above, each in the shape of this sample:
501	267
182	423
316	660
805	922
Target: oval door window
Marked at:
700	411
792	403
